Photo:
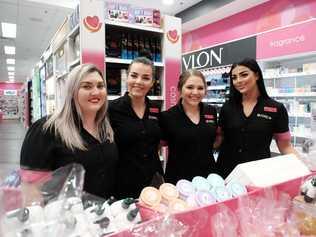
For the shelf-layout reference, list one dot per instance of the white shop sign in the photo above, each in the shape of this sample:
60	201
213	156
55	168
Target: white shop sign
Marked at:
10	92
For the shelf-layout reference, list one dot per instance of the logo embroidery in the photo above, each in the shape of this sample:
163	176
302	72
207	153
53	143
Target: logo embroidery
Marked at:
209	116
264	116
153	110
152	117
270	109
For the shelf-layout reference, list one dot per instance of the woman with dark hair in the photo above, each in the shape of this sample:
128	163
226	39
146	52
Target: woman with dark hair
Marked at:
250	119
134	119
189	128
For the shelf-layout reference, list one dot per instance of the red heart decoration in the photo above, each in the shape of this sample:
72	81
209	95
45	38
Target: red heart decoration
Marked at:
173	34
92	21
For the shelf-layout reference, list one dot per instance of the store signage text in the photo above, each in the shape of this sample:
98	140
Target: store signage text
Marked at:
203	59
220	55
10	92
173	95
285	42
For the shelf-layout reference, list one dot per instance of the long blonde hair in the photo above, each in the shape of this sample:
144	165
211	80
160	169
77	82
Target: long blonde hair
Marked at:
64	122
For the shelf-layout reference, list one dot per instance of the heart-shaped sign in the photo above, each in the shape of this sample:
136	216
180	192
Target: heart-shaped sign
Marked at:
92	23
173	36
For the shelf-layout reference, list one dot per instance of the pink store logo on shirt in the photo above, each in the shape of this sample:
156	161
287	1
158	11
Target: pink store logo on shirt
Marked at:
209	116
153	110
270	109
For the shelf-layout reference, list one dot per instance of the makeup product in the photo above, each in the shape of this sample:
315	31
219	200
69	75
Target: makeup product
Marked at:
200	183
168	192
122	206
22	219
74	204
150	196
53	209
191	201
177	205
185	188
222	194
215	180
127	220
236	189
204	198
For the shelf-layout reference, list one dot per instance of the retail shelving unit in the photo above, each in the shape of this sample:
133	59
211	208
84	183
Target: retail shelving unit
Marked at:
217	80
111	46
124	41
9	105
24	105
291	80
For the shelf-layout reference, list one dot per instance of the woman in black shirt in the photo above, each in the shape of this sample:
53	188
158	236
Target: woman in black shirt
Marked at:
189	128
137	134
250	119
77	133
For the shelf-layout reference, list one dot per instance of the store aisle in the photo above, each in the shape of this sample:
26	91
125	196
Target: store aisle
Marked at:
12	134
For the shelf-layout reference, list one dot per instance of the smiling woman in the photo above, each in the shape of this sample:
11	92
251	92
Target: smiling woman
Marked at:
137	134
250	119
189	128
79	132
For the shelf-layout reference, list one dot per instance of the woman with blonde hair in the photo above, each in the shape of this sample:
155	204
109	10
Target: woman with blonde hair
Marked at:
189	128
79	132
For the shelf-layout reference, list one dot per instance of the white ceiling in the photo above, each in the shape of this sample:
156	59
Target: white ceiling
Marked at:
36	24
178	6
38	20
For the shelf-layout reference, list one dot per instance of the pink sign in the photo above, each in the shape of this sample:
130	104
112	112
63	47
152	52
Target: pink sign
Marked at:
264	17
10	86
290	40
172	68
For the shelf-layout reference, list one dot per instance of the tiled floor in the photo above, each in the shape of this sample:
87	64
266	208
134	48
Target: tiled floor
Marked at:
12	134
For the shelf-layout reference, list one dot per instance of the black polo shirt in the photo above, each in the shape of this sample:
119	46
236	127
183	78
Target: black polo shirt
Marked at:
137	140
249	138
42	151
190	145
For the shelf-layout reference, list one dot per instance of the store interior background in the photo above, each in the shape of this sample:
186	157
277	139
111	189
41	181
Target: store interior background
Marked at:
204	24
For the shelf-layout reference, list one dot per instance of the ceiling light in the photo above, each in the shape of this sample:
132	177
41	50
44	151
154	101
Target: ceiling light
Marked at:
11	68
11	80
60	3
11	73
11	77
8	30
168	2
9	49
10	61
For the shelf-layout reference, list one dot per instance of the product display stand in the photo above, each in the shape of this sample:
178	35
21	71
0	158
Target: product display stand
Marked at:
93	34
291	81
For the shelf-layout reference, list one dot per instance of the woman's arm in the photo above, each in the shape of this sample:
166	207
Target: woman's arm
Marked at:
285	147
218	139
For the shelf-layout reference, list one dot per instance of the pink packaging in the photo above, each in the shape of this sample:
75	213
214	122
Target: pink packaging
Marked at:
143	16
117	12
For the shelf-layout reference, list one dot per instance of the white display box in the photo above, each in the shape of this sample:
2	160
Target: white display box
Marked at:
270	171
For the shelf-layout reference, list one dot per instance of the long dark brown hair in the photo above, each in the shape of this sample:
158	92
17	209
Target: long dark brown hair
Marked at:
234	95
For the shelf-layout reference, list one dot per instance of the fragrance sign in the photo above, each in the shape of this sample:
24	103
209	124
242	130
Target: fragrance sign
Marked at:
291	40
220	55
